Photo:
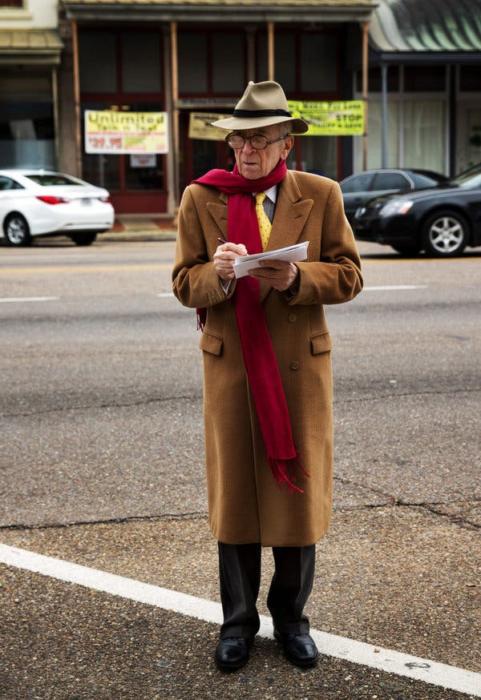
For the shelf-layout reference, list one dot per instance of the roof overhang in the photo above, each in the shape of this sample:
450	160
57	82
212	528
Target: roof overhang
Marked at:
432	31
425	57
30	47
220	11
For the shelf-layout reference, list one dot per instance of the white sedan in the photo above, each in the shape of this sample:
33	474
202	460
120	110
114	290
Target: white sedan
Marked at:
41	202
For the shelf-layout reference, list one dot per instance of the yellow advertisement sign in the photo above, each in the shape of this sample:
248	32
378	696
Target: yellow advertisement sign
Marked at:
339	118
126	132
200	126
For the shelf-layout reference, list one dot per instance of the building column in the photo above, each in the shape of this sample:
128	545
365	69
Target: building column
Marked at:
76	95
365	87
67	161
270	51
174	185
452	120
251	53
56	121
169	107
384	117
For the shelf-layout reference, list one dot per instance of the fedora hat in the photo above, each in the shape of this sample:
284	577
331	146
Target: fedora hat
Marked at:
262	104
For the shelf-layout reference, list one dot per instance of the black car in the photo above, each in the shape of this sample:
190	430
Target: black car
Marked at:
440	221
359	189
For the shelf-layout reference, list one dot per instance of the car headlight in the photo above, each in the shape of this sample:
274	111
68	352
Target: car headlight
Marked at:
359	211
396	206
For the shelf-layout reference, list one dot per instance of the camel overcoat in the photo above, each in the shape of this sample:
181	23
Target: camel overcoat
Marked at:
246	504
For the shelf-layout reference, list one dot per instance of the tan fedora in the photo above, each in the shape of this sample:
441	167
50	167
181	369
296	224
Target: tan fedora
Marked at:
262	104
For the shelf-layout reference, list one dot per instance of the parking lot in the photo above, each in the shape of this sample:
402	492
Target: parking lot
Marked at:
101	452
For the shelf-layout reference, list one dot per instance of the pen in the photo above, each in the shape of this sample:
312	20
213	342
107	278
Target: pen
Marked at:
221	240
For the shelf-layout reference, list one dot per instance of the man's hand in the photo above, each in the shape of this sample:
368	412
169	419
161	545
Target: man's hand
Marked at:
280	274
224	258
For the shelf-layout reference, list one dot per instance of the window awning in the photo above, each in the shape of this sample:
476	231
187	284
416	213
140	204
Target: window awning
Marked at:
437	30
221	10
30	46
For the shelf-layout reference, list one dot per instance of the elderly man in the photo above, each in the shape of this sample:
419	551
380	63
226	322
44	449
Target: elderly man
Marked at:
267	368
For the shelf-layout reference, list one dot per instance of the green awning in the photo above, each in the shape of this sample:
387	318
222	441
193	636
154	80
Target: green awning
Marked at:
443	29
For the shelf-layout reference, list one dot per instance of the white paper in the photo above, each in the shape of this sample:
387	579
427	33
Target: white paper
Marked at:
291	253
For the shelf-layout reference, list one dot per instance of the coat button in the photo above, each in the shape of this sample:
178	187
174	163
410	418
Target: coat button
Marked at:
292	318
294	365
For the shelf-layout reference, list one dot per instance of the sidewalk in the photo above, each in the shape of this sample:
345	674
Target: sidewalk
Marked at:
401	578
140	229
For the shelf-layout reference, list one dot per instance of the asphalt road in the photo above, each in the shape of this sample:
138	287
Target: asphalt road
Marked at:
100	404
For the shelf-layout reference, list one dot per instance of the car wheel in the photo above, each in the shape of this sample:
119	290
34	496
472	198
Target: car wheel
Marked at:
407	249
16	230
445	234
83	238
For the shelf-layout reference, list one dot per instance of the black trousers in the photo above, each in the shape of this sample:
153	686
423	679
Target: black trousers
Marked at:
240	573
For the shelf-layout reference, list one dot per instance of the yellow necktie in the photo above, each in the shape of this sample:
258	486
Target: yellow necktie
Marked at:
265	225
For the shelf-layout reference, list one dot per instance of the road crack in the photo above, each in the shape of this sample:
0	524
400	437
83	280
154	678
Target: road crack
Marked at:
198	397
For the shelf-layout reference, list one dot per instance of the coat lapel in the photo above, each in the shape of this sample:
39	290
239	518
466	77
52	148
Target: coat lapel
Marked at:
218	212
291	214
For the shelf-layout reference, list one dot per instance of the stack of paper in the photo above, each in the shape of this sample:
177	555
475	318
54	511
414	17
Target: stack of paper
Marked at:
291	253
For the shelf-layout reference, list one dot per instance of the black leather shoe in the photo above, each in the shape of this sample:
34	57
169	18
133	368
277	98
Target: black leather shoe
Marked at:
299	649
232	653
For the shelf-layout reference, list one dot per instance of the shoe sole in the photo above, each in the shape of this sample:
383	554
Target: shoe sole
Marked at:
230	668
227	668
308	663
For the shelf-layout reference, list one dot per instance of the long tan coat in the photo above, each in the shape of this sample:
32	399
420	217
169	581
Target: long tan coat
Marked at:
245	502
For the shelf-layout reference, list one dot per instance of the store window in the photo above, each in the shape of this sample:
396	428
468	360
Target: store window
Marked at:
318	155
228	64
470	78
284	59
305	62
374	129
319	62
424	79
375	79
192	62
98	70
422	139
27	135
424	128
212	62
141	62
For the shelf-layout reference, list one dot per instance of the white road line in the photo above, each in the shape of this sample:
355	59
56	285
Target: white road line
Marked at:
389	287
19	299
333	645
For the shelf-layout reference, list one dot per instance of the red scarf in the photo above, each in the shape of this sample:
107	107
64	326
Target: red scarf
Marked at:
259	357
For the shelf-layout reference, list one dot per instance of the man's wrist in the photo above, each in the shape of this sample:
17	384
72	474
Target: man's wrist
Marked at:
293	289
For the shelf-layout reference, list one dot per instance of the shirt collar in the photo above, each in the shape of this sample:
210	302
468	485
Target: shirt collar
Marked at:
271	193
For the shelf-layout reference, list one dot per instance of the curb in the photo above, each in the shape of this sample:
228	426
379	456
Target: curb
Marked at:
137	236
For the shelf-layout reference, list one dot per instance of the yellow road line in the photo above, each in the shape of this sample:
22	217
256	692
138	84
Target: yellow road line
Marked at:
90	269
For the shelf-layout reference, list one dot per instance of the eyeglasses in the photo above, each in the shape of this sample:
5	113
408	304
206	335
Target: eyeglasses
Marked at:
257	141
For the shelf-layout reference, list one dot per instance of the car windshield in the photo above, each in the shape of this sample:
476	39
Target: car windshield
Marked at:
469	180
53	179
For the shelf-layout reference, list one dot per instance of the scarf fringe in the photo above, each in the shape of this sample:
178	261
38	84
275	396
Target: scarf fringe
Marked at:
285	472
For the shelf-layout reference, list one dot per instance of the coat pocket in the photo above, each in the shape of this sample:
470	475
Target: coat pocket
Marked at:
211	343
321	343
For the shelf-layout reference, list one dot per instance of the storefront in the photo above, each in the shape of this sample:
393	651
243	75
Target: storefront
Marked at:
424	87
28	97
179	59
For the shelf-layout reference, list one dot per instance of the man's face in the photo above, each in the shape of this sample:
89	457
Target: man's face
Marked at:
253	164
